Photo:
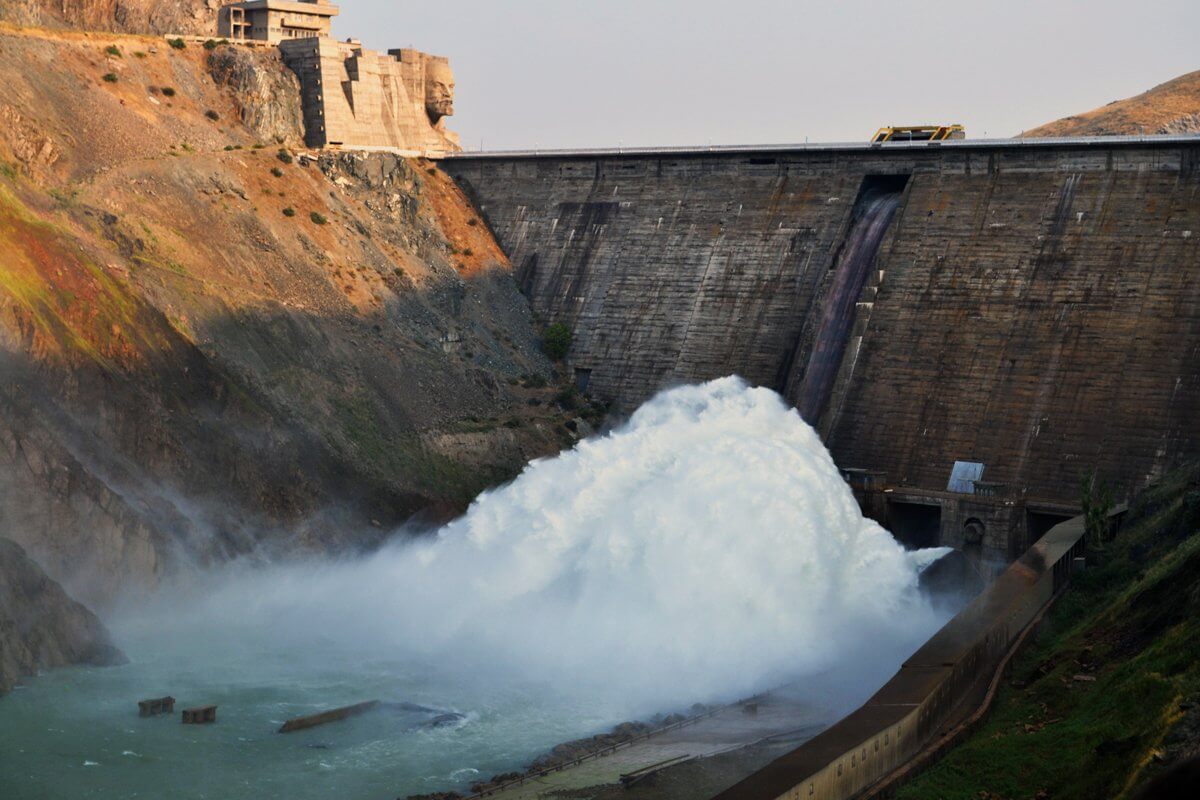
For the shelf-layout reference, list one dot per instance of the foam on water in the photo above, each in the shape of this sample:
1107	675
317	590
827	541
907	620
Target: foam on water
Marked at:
705	549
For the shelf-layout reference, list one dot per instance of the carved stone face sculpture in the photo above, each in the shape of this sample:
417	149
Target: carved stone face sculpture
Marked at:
439	91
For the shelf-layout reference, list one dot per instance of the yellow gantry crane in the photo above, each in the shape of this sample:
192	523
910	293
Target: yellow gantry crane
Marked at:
918	133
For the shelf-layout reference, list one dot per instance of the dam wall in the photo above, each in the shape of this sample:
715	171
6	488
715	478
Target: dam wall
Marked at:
1033	307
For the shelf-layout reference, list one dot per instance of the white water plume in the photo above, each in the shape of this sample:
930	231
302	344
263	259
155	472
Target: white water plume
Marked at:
704	550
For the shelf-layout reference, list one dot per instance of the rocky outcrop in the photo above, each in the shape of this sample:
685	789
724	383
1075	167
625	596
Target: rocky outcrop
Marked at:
265	93
1170	108
40	626
196	17
211	347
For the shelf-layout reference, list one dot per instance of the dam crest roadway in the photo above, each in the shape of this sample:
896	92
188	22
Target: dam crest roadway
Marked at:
830	147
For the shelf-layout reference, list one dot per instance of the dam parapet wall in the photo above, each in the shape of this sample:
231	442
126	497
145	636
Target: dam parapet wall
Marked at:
1034	308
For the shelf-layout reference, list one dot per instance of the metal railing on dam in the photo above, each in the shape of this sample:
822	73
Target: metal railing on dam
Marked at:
834	147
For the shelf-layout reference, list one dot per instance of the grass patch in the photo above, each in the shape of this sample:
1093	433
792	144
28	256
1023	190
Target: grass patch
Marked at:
177	44
113	51
110	77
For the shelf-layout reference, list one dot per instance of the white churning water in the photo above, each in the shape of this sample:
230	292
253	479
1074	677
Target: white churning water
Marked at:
704	550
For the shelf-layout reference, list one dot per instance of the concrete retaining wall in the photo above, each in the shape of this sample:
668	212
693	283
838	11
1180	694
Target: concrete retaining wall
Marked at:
913	708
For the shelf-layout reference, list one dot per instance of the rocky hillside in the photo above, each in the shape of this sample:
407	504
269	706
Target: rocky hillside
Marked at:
40	626
197	17
1173	107
213	345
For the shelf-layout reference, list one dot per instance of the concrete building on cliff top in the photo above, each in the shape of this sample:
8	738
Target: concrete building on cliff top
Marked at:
352	97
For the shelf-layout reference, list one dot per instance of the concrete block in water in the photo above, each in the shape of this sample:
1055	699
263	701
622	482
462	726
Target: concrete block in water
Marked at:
201	715
312	721
156	706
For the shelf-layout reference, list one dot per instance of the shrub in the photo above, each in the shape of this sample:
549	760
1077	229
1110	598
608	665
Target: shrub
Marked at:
177	44
284	156
568	398
468	252
110	77
113	50
228	147
138	54
556	341
214	116
168	91
472	222
277	172
317	218
259	146
534	382
289	212
1096	501
210	44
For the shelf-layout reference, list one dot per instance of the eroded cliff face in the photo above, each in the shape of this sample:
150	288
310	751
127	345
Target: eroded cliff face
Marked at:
213	347
196	17
40	626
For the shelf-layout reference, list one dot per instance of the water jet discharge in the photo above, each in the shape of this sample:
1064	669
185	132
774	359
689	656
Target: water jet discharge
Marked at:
705	550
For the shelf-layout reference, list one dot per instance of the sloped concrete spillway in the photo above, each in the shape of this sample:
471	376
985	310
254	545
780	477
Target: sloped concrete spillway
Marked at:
874	211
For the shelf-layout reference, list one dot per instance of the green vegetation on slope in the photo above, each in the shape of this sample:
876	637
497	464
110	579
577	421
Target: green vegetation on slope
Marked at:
1094	707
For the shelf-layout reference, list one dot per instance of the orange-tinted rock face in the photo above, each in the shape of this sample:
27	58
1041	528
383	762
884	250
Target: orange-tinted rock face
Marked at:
196	17
209	349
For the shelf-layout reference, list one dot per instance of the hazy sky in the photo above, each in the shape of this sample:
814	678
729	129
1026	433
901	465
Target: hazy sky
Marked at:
567	73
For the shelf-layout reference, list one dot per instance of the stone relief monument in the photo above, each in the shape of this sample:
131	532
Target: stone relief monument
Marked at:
352	96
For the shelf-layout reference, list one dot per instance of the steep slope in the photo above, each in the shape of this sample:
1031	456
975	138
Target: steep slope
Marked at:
1172	107
197	17
1112	686
40	626
212	346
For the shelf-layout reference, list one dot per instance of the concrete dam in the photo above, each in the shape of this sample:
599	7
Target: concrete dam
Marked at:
1011	314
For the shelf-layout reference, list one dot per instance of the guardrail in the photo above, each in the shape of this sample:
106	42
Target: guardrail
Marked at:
610	749
954	144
